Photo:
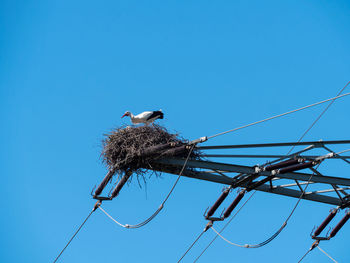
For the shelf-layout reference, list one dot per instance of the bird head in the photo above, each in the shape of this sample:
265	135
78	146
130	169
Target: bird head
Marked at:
127	113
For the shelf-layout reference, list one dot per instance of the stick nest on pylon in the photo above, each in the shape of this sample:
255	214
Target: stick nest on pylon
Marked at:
133	149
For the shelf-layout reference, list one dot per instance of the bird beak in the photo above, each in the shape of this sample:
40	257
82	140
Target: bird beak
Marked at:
124	115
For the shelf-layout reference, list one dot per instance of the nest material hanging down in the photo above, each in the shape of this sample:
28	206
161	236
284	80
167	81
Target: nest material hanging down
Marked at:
132	149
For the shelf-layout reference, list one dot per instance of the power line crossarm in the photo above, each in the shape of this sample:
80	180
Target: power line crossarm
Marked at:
258	145
264	156
246	170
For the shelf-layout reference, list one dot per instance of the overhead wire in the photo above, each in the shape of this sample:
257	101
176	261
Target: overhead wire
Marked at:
307	252
316	244
194	242
279	115
76	232
319	116
228	241
324	252
341	152
149	219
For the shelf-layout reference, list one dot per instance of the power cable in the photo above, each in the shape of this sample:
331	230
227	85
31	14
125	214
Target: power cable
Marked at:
316	244
194	242
324	252
149	219
228	241
76	232
307	252
279	115
319	117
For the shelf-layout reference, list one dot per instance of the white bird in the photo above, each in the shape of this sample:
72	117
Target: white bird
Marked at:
146	117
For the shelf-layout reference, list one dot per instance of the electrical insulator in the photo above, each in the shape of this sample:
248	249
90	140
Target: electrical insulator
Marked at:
296	167
283	164
120	185
104	183
234	204
325	222
340	225
218	203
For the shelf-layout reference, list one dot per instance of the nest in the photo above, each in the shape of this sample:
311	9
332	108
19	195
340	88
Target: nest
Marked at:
133	149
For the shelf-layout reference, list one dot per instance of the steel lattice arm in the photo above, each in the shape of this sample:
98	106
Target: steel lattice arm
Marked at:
208	173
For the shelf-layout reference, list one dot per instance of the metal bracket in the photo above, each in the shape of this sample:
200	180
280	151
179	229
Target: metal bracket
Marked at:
199	140
101	198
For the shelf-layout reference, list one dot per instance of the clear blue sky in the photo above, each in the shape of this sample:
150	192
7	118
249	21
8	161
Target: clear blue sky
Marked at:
70	69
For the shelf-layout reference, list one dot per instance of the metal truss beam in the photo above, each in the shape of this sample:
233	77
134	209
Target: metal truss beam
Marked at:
315	143
266	156
296	193
251	170
263	188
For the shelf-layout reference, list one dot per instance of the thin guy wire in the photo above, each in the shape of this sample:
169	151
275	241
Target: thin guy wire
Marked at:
76	232
327	254
279	115
222	229
191	246
149	219
319	117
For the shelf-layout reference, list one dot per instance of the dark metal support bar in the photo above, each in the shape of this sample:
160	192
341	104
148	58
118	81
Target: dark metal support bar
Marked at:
257	184
296	193
264	188
338	156
333	185
315	143
265	156
251	170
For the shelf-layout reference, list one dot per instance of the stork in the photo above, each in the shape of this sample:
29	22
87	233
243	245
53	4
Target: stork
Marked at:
146	117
